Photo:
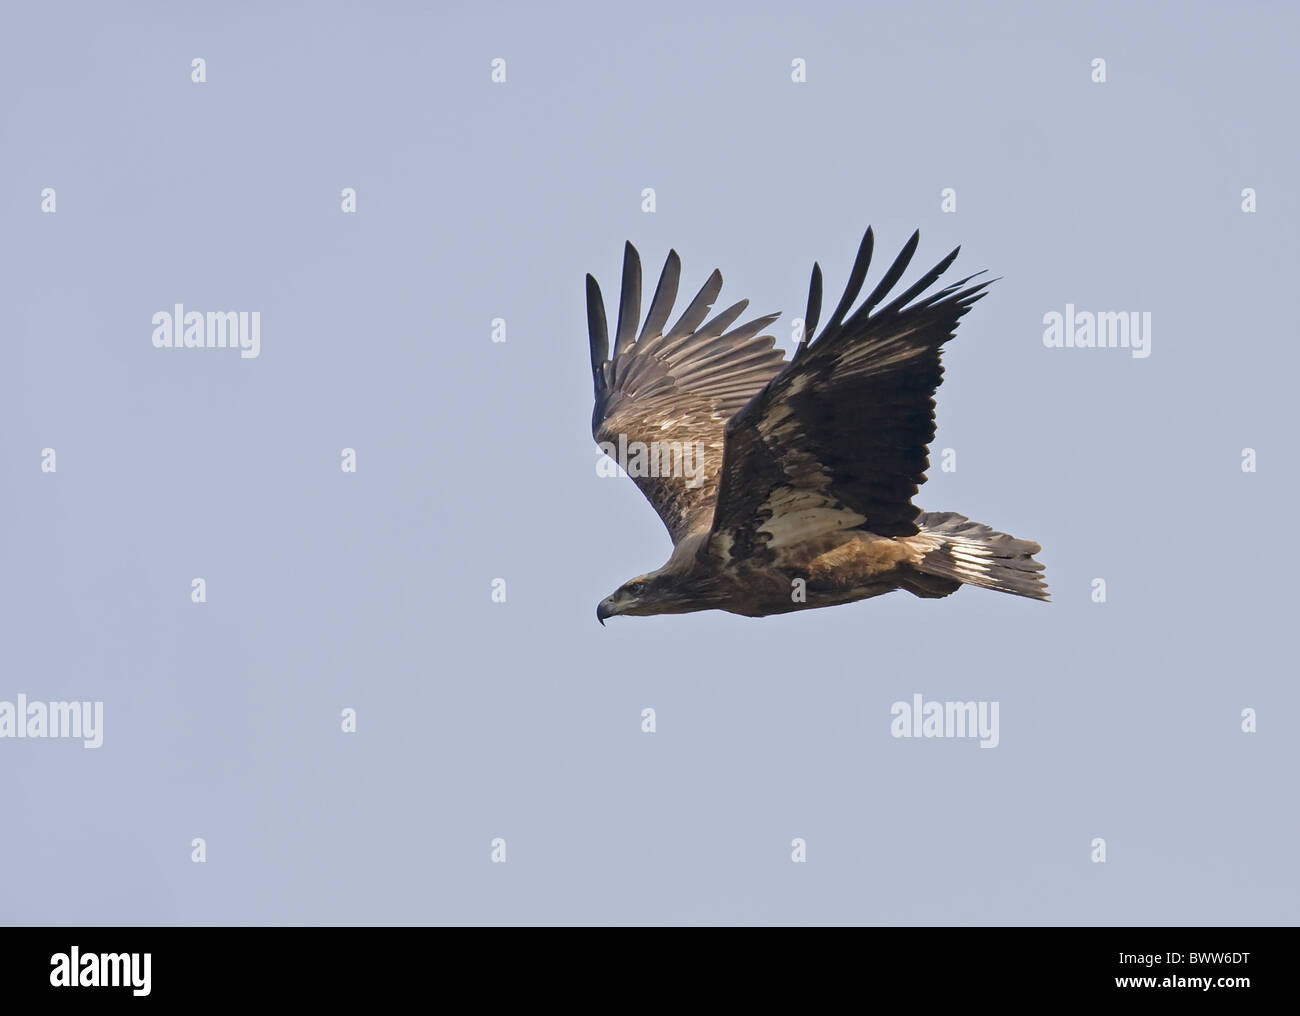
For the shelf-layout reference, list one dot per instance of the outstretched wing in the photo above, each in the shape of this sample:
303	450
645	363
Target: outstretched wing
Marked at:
840	438
664	397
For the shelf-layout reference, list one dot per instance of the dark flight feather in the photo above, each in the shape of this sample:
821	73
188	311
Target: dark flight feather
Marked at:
661	304
856	278
598	331
813	312
629	301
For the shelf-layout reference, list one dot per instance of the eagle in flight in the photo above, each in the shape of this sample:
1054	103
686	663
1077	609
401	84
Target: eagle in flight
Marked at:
787	485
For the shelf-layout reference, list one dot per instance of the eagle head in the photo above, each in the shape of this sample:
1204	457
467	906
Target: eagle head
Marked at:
646	594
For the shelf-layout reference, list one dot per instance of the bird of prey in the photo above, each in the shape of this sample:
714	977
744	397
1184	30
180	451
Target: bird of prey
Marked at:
788	485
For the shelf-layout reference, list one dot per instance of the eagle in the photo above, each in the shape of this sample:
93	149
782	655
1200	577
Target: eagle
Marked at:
787	484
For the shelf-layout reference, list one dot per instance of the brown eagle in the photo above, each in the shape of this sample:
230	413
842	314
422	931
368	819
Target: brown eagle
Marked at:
787	485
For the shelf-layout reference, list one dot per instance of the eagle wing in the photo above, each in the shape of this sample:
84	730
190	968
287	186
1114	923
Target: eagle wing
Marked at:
840	438
677	387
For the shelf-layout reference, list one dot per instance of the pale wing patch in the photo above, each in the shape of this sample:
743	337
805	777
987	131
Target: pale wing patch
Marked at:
721	543
923	542
969	556
800	515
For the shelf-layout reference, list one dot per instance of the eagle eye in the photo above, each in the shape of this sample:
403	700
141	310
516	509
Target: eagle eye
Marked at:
636	588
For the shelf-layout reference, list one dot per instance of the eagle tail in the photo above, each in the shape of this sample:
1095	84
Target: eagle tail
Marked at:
976	555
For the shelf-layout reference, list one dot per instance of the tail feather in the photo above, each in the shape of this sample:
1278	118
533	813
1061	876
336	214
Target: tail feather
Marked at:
976	555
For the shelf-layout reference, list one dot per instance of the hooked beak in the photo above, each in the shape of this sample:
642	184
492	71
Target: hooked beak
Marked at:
604	609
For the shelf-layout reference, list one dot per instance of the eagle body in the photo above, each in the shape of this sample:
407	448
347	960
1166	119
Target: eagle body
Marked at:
825	572
801	472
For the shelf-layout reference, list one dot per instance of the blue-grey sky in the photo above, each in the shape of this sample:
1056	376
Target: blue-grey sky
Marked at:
522	720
